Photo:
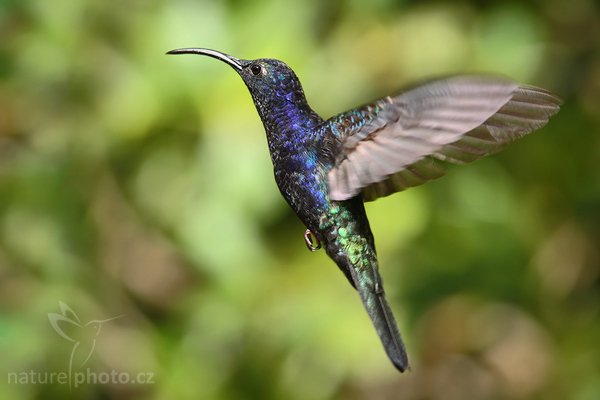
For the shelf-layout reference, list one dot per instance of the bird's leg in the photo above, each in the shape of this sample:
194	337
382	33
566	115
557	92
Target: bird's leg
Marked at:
312	242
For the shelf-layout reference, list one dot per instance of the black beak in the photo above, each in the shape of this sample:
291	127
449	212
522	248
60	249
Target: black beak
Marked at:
234	62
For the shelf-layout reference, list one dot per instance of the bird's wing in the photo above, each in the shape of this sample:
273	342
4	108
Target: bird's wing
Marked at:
395	143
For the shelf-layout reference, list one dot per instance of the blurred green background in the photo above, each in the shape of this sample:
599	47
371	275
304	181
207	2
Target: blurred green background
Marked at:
138	185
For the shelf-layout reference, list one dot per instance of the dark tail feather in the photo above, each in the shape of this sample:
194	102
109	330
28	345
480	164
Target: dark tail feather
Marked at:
369	286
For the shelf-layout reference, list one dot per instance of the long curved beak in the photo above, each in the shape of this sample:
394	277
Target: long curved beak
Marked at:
234	62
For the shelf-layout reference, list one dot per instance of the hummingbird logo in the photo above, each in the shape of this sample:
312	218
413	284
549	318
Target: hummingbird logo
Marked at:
84	339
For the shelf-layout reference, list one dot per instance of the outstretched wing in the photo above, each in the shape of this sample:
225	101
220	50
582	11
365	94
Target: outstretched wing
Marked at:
394	143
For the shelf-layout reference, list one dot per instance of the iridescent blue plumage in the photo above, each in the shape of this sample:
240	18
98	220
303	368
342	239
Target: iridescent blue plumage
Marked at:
326	169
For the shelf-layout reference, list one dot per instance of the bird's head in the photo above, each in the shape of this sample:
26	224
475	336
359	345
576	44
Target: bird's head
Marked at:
271	82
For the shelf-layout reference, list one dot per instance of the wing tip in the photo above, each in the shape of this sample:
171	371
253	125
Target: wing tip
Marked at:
546	97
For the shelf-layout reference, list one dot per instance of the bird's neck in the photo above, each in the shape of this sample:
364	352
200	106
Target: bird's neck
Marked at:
290	124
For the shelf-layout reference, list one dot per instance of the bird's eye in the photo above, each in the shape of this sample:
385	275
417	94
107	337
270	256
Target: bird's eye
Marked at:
256	69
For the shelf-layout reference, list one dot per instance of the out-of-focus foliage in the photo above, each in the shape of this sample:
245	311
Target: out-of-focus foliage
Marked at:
139	185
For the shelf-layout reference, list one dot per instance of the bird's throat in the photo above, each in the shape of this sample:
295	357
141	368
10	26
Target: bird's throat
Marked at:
289	125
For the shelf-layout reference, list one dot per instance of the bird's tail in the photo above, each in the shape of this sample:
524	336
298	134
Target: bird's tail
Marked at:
370	287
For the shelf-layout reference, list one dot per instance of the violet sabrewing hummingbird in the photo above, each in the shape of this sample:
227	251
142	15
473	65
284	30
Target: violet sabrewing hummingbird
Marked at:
326	169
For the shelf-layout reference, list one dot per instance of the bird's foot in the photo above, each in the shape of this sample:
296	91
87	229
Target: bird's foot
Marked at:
312	242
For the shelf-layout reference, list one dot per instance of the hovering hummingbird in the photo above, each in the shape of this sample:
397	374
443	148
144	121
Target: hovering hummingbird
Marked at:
326	169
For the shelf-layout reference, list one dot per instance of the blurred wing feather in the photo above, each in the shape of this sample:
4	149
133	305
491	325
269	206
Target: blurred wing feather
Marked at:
456	120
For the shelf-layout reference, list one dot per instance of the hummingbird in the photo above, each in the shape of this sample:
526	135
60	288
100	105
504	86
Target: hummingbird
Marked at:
327	168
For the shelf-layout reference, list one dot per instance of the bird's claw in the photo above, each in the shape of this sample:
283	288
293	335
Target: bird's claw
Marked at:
312	242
